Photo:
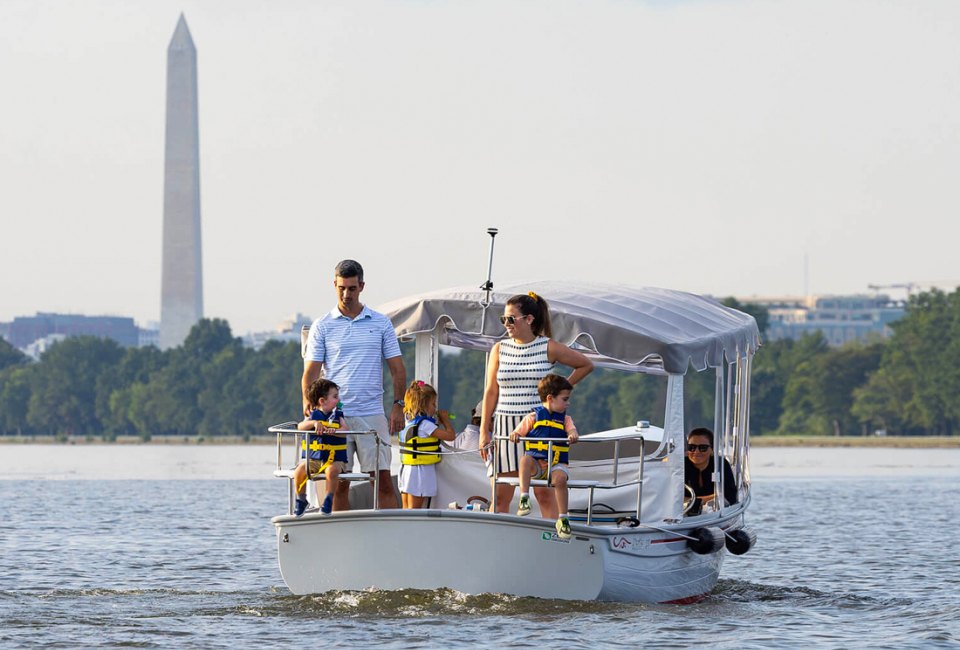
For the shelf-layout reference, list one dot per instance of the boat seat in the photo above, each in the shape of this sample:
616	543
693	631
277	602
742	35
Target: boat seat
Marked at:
571	483
346	476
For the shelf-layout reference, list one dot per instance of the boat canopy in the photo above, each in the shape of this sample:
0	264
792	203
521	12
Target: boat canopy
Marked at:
641	329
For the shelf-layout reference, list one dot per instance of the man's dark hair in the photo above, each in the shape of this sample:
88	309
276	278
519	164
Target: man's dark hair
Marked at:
349	269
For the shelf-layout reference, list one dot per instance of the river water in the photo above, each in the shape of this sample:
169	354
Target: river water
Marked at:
172	546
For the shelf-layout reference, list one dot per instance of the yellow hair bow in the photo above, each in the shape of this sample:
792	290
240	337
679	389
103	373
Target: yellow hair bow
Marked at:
533	295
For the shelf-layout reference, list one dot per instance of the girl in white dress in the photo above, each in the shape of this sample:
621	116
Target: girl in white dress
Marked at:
420	444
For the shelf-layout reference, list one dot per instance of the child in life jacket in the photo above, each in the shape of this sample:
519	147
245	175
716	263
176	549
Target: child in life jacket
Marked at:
420	444
327	449
547	421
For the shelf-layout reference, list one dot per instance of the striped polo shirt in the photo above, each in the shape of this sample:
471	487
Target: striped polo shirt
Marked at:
352	352
521	367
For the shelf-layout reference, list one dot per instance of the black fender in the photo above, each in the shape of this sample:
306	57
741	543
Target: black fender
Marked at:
706	540
740	541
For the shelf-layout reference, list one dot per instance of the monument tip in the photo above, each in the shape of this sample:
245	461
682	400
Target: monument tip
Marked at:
181	39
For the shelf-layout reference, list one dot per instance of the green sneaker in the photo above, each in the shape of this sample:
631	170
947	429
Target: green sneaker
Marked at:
524	509
563	528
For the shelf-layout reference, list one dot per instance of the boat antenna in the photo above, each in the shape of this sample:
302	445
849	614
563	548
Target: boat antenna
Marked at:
488	285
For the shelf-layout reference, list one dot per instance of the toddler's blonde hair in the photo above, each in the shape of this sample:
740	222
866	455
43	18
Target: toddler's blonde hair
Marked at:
417	398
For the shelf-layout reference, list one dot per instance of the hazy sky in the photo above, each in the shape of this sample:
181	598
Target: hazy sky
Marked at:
707	146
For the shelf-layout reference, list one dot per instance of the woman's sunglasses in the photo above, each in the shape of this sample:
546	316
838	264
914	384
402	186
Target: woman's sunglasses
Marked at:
698	447
510	320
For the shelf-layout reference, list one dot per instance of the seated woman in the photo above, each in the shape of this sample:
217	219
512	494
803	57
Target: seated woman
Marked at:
698	470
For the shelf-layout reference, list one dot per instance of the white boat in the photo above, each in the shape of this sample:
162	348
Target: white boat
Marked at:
631	541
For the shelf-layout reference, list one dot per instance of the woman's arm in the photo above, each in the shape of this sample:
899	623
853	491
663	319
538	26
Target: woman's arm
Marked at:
560	353
490	396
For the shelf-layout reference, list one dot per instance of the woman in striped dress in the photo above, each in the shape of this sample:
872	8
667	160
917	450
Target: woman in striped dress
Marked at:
516	366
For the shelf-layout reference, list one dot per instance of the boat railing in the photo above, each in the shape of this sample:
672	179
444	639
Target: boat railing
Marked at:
301	441
590	486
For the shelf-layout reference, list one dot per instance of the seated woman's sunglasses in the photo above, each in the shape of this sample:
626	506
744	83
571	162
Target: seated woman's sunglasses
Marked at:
698	447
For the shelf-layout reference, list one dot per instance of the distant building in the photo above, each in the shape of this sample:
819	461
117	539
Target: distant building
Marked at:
840	319
25	330
287	330
36	349
149	335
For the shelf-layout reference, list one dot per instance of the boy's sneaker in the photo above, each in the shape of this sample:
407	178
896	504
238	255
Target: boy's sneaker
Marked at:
327	506
300	507
563	528
524	509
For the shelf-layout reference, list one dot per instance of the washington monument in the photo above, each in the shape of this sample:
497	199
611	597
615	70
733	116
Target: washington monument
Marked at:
181	304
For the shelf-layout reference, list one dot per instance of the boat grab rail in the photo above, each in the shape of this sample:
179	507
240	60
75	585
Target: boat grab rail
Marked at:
586	485
588	439
298	436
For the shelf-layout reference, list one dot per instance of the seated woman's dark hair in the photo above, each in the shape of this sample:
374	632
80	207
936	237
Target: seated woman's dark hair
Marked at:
701	431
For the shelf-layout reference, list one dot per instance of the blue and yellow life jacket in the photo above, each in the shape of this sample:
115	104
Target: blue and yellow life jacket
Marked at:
547	425
326	448
415	450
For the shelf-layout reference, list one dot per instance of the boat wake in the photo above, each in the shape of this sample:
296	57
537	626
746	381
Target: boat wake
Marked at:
428	603
277	601
750	592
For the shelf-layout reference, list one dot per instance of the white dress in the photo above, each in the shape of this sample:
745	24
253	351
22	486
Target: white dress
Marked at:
420	480
521	367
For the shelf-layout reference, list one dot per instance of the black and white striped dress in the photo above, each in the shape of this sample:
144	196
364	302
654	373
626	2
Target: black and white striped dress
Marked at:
522	366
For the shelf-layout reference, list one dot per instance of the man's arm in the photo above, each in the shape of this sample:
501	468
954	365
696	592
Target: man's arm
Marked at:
311	372
311	368
399	374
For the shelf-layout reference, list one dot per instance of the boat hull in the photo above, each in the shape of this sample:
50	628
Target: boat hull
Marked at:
478	552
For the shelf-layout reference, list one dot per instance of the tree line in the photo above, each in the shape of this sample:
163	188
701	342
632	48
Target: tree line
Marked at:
212	385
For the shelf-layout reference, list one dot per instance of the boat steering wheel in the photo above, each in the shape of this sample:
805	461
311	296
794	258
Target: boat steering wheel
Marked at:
689	499
478	503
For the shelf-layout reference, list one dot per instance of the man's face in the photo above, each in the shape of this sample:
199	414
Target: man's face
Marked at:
348	292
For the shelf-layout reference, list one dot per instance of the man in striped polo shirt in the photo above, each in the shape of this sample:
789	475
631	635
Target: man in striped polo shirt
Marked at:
349	345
